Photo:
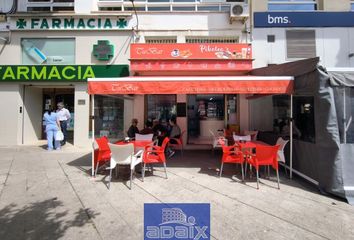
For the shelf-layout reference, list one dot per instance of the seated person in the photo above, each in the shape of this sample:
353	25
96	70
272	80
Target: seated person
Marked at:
175	132
159	130
133	128
148	128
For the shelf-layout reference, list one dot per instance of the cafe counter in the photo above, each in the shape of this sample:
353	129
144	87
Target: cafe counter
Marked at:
213	124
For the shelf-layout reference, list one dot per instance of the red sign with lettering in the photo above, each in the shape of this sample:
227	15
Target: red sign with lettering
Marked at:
190	51
217	86
190	65
188	58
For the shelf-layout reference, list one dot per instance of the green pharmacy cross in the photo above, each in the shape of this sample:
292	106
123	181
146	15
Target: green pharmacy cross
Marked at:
21	23
103	50
122	23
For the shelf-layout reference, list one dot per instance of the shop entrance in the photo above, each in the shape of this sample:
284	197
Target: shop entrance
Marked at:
38	98
51	97
210	113
205	113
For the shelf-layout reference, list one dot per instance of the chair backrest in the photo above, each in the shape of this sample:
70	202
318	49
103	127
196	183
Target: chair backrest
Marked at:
101	143
102	152
252	133
144	137
265	153
121	153
181	136
95	145
242	138
165	142
282	143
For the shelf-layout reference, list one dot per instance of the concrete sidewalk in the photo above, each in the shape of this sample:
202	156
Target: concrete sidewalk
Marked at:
50	195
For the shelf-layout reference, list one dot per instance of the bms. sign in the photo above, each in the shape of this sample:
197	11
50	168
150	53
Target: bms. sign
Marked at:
303	19
176	221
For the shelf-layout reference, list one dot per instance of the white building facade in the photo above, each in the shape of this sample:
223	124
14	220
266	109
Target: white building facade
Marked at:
49	49
46	58
285	31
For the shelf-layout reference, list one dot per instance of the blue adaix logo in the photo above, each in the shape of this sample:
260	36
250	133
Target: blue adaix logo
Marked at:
176	221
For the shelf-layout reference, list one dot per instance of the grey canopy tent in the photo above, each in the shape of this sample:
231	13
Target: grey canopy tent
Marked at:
326	160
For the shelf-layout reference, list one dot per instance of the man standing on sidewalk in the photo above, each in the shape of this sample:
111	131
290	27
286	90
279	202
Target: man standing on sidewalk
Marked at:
64	116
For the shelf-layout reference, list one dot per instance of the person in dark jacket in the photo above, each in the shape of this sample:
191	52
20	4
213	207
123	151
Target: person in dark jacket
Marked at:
148	128
160	131
133	128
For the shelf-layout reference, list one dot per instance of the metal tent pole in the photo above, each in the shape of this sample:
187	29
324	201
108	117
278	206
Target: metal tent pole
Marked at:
291	136
344	118
93	133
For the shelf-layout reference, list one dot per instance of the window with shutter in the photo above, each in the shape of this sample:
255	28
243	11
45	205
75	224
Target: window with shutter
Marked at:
211	39
160	40
301	43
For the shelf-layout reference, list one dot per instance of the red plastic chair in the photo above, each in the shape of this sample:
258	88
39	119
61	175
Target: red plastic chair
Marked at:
231	154
102	154
177	143
265	156
155	154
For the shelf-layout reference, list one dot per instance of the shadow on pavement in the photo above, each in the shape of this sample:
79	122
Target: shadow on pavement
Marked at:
82	163
41	220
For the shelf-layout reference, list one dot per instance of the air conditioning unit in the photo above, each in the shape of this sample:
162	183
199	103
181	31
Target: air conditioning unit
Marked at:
239	10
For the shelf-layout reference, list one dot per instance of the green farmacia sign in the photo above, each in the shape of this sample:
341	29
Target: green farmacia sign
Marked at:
72	73
70	23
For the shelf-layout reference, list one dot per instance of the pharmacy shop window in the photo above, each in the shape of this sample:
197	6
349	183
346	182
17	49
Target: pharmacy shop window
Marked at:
48	51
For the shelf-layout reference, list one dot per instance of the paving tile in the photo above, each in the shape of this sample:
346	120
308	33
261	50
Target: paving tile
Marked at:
52	194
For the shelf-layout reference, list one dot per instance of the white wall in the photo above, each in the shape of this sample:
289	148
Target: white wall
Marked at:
10	116
210	21
333	45
11	53
86	39
5	5
336	46
189	24
85	6
33	104
81	120
337	5
351	47
21	5
266	53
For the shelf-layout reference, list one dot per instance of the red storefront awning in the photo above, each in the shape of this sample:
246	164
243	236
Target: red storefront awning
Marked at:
192	85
